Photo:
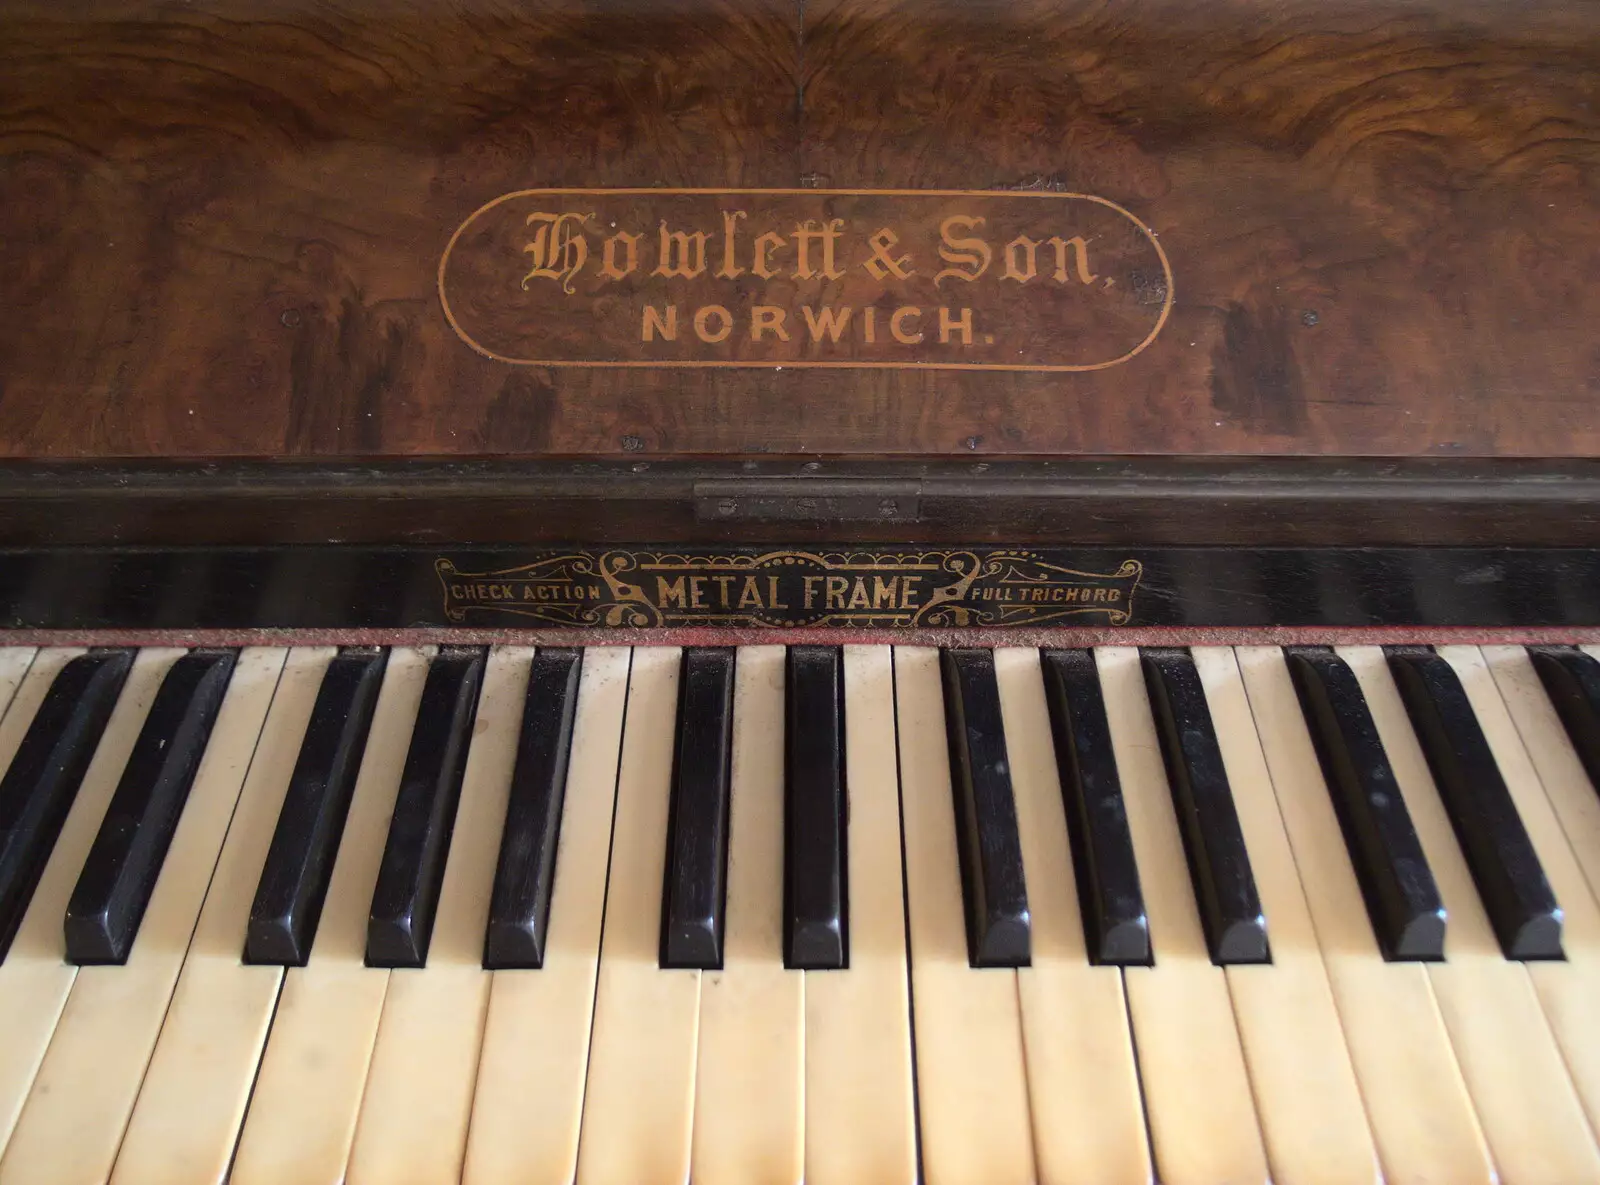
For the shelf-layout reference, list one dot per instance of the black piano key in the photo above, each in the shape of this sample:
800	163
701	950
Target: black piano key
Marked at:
815	935
693	897
1408	916
120	873
999	929
1219	864
1517	897
299	865
43	779
1116	929
407	894
1571	679
519	907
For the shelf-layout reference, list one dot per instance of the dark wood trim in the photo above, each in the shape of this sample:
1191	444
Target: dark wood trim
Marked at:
1279	502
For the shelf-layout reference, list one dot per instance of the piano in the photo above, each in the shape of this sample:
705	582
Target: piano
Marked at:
846	591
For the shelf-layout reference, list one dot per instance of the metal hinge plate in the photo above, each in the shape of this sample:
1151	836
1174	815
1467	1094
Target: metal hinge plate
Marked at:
806	499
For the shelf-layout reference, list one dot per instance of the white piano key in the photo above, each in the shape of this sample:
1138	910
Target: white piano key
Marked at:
1421	1115
1310	1107
529	1099
639	1098
1568	988
1083	1084
14	664
1575	801
103	1042
749	1115
35	976
971	1085
1202	1116
1514	1071
859	1109
418	1101
187	1115
302	1116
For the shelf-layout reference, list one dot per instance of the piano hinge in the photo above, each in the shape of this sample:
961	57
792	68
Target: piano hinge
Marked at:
806	499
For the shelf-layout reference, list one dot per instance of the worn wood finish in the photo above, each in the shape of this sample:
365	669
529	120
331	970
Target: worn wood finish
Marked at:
1154	502
220	228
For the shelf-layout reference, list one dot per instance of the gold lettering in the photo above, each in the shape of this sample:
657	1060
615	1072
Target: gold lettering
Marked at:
805	234
689	248
608	262
1080	257
655	324
809	588
858	594
767	316
971	256
558	250
830	239
772	594
702	323
884	592
765	245
947	326
730	229
1022	259
882	264
871	324
750	594
670	593
722	583
838	586
909	592
830	322
697	592
901	315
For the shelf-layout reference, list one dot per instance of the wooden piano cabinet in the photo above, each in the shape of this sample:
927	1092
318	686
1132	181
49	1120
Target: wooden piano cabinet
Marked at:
353	316
1365	227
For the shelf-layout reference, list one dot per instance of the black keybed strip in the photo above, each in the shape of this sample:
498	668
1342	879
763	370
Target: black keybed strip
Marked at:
403	587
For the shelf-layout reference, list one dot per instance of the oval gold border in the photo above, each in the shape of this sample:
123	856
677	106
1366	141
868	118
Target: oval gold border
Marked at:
1161	320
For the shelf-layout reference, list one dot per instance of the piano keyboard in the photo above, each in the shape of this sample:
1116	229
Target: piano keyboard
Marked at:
863	915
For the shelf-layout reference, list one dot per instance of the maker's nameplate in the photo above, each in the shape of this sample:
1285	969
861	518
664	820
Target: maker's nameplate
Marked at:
629	589
936	279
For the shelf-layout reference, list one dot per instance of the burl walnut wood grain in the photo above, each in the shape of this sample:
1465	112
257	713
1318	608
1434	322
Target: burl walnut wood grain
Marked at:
220	223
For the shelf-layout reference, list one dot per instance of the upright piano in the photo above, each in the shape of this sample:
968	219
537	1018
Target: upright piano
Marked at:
759	591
